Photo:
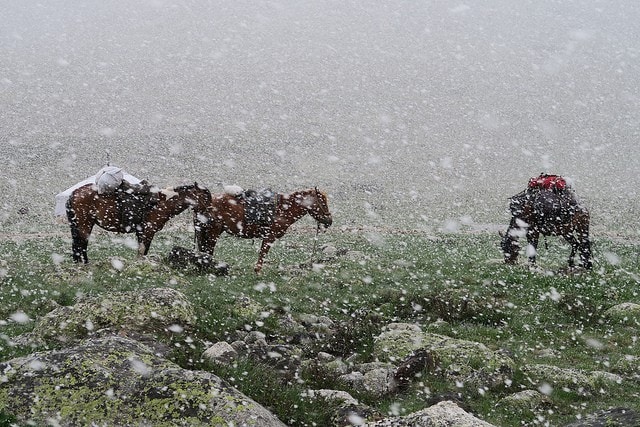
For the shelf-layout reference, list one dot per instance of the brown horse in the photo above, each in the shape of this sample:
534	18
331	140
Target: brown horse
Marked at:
226	212
127	212
548	213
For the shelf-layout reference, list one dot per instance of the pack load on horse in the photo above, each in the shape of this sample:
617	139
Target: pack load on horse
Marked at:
548	182
117	205
265	215
548	206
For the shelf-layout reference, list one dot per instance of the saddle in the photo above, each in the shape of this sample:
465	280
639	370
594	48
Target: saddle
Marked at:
259	206
546	204
133	202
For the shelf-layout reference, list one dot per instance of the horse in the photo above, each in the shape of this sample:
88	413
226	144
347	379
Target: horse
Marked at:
548	213
228	213
123	211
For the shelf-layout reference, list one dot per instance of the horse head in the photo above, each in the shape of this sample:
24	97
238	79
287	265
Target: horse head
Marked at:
316	204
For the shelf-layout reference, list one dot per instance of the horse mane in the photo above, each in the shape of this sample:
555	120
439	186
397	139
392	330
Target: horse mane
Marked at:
324	193
195	185
185	187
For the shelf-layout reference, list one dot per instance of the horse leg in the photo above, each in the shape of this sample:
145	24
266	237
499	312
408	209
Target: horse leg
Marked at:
532	248
79	248
145	236
207	237
79	236
574	246
264	250
585	251
509	243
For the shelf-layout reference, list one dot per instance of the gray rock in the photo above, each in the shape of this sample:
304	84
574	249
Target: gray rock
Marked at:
459	361
526	401
220	352
254	337
159	311
117	381
570	380
443	414
338	396
616	417
627	313
380	381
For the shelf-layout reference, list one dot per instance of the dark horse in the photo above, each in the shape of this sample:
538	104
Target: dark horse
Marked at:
226	212
127	212
548	213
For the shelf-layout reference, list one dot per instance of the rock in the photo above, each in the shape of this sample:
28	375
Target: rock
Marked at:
355	415
628	365
526	401
627	313
240	347
221	352
117	381
380	382
412	366
616	417
181	258
462	304
459	361
158	311
570	380
254	337
354	380
339	396
443	414
329	251
397	341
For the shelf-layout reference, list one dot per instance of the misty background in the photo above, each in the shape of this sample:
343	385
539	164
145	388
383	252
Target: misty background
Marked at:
410	114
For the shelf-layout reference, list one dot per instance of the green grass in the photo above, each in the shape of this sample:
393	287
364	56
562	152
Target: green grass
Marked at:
393	277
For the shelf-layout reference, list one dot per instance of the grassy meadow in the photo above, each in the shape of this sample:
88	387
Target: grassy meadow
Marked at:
547	315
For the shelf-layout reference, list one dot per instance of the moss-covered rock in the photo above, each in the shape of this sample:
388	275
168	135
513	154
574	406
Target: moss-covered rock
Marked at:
628	365
455	304
550	378
444	413
151	311
397	341
460	361
119	382
525	402
627	313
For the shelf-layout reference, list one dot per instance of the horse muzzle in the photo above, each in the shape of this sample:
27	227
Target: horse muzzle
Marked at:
326	221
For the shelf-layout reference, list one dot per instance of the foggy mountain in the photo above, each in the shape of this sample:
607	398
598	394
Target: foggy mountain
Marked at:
410	114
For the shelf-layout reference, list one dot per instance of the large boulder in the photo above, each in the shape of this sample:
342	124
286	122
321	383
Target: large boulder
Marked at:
627	313
615	417
549	378
459	361
443	414
117	381
157	311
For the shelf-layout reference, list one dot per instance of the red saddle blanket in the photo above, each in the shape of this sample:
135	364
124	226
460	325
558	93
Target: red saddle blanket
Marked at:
548	182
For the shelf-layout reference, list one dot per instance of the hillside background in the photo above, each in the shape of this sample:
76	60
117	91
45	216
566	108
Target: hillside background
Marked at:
415	115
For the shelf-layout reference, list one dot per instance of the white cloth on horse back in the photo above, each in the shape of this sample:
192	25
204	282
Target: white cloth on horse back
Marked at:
108	179
234	190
